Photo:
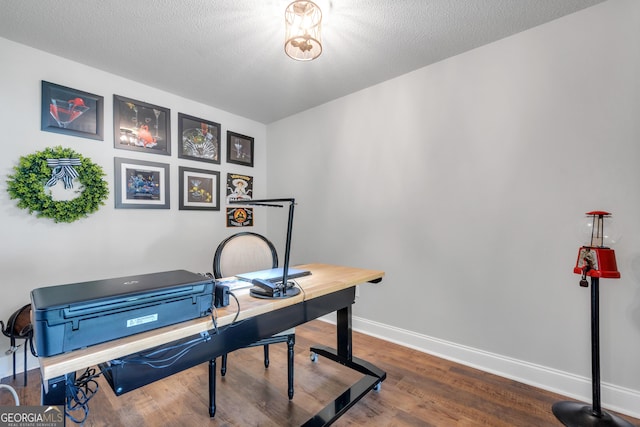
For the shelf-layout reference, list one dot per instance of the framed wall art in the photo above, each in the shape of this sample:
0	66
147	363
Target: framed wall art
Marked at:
239	187
239	149
239	217
199	189
71	112
198	139
141	184
139	126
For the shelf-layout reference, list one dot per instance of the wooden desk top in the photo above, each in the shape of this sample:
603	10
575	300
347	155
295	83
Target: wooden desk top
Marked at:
324	279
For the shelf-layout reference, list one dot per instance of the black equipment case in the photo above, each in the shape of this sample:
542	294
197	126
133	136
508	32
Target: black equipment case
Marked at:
77	315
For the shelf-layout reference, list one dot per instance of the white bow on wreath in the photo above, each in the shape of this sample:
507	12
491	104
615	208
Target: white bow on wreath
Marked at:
63	169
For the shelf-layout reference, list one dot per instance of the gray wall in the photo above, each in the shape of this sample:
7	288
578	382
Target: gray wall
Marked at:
37	252
467	182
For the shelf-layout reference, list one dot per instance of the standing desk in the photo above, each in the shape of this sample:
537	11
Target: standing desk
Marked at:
329	288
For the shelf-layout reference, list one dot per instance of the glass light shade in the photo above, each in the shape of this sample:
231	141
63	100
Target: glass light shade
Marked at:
303	41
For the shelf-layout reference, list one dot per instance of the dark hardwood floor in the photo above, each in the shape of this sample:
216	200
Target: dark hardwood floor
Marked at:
420	390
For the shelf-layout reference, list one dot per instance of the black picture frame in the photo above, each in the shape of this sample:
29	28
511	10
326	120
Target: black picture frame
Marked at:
71	112
239	149
140	126
238	187
140	184
199	189
239	216
198	139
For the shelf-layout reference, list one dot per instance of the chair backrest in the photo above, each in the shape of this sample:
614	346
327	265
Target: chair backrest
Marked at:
242	253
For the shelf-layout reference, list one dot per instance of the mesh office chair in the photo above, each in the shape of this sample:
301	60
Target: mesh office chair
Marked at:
243	253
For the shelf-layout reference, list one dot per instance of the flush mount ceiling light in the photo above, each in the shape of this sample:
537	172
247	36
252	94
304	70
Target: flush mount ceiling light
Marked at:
303	41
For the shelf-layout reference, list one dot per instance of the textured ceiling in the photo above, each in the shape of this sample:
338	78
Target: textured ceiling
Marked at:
229	53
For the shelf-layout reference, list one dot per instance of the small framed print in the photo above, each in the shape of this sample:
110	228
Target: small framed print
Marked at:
71	112
139	126
239	217
239	149
199	189
239	187
198	139
141	184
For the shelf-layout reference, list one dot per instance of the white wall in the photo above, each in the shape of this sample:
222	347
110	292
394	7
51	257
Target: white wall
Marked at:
466	181
37	252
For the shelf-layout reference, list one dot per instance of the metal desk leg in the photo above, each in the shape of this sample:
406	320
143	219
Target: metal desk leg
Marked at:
54	392
373	375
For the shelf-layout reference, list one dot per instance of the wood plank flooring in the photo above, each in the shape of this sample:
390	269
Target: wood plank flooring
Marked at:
420	390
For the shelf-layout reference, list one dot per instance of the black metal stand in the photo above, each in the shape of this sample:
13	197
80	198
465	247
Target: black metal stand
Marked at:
372	379
576	414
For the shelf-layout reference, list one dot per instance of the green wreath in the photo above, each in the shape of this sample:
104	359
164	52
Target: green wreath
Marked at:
36	172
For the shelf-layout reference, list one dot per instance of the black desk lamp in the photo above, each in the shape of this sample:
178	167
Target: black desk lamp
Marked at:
594	261
273	290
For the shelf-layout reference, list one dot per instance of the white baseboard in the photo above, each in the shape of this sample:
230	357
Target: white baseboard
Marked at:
613	397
